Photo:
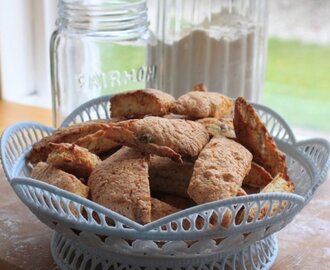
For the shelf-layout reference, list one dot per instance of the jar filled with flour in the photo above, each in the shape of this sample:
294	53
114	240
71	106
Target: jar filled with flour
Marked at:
221	43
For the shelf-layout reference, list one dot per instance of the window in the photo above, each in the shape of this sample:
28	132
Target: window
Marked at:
25	30
297	81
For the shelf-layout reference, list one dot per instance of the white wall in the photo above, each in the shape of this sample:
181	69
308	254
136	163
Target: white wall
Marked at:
16	48
25	30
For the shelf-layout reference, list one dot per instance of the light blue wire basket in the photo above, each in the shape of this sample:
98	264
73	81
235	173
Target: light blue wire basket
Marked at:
104	239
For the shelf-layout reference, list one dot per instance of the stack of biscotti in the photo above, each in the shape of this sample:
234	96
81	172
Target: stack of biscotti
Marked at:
158	155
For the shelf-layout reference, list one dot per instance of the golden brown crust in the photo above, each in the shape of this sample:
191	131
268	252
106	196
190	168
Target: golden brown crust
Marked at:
278	184
121	184
250	190
198	104
168	176
51	175
219	170
257	177
72	159
40	150
161	209
138	103
215	127
97	143
174	138
241	192
252	133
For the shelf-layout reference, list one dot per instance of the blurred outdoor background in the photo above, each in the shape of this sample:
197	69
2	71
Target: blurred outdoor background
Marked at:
298	68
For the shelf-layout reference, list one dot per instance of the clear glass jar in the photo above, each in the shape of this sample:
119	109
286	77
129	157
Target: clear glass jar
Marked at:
221	43
99	47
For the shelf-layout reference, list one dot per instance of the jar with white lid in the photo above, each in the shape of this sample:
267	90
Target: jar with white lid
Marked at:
221	43
99	47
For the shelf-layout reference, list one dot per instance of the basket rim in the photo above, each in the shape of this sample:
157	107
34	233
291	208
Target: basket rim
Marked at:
191	210
292	145
149	231
11	129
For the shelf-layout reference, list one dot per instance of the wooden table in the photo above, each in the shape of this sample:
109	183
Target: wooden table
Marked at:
24	241
12	112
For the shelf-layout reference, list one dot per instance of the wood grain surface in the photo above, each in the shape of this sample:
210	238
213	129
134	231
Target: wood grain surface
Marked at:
24	241
13	112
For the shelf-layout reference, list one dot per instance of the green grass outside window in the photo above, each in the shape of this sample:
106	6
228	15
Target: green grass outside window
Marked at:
298	83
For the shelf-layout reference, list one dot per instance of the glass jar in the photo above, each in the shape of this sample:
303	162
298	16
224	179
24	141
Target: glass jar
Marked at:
221	43
99	47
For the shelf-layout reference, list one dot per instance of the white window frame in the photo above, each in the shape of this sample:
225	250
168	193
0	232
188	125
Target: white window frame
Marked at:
25	30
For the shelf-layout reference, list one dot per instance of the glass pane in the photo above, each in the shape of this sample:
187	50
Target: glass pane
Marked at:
297	77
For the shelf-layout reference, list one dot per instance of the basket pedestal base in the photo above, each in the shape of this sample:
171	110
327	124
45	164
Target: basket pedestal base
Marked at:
69	254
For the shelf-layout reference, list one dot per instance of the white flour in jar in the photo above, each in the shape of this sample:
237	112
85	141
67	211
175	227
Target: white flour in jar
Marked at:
221	55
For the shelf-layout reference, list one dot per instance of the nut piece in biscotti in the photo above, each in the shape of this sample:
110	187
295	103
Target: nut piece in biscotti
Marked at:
138	103
215	127
198	104
200	87
97	143
257	177
252	133
73	159
278	184
51	175
166	175
40	150
121	184
219	170
174	138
